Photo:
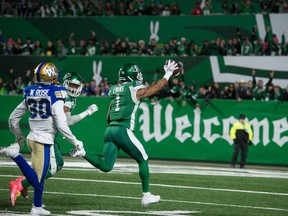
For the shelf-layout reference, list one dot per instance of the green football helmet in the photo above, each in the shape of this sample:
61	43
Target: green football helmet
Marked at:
73	83
130	72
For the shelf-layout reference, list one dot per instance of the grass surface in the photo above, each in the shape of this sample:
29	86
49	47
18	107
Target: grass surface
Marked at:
87	191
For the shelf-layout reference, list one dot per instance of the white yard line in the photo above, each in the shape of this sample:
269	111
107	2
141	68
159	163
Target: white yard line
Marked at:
159	185
132	167
166	200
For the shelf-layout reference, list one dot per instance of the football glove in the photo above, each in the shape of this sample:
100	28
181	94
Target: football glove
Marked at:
170	66
91	109
78	145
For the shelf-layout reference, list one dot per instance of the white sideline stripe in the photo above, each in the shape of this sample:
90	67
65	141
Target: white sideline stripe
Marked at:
162	185
166	200
128	167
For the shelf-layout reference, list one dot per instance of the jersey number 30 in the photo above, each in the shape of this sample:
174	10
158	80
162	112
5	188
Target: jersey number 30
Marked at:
39	107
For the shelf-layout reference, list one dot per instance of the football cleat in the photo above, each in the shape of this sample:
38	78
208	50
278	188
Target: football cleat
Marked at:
15	190
24	191
39	211
149	198
77	153
11	151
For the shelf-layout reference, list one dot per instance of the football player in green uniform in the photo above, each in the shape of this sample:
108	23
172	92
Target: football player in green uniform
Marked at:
73	83
125	98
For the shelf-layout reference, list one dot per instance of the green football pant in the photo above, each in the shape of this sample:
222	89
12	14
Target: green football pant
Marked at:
116	138
56	164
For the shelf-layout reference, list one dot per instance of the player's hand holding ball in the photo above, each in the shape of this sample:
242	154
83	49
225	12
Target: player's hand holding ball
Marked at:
171	68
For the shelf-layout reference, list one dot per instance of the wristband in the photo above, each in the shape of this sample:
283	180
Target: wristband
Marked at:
83	114
167	76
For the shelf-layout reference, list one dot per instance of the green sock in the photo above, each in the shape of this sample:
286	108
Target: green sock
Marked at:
144	175
25	183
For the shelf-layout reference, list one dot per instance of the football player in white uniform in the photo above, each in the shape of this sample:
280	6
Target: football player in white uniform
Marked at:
73	83
44	102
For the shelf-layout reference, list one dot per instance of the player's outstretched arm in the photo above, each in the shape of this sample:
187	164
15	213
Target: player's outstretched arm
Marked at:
73	119
169	67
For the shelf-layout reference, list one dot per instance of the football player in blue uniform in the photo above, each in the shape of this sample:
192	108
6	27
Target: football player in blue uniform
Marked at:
73	83
44	102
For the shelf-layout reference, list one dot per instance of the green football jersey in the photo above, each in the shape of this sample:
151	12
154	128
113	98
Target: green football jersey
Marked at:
124	104
70	102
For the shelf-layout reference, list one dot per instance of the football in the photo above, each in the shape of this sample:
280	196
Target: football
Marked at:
177	71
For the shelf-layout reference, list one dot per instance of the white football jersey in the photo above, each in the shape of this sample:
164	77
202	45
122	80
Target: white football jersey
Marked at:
45	105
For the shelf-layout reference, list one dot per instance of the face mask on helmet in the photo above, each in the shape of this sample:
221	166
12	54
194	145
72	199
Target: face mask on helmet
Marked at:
46	73
129	73
73	83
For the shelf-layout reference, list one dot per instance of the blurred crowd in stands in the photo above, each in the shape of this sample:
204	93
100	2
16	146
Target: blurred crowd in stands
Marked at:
253	45
76	8
178	90
254	89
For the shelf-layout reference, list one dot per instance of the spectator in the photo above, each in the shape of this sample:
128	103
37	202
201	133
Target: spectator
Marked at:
140	7
131	9
194	49
160	9
27	48
166	11
82	49
152	9
50	49
38	49
62	52
92	88
284	45
197	9
142	48
259	92
8	49
207	8
175	10
2	87
91	48
205	50
205	94
249	91
225	8
247	7
246	48
265	7
240	91
230	48
182	47
217	91
229	92
283	7
284	96
273	42
277	93
234	9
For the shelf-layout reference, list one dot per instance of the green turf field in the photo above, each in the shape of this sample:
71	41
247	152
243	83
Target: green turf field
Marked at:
185	189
